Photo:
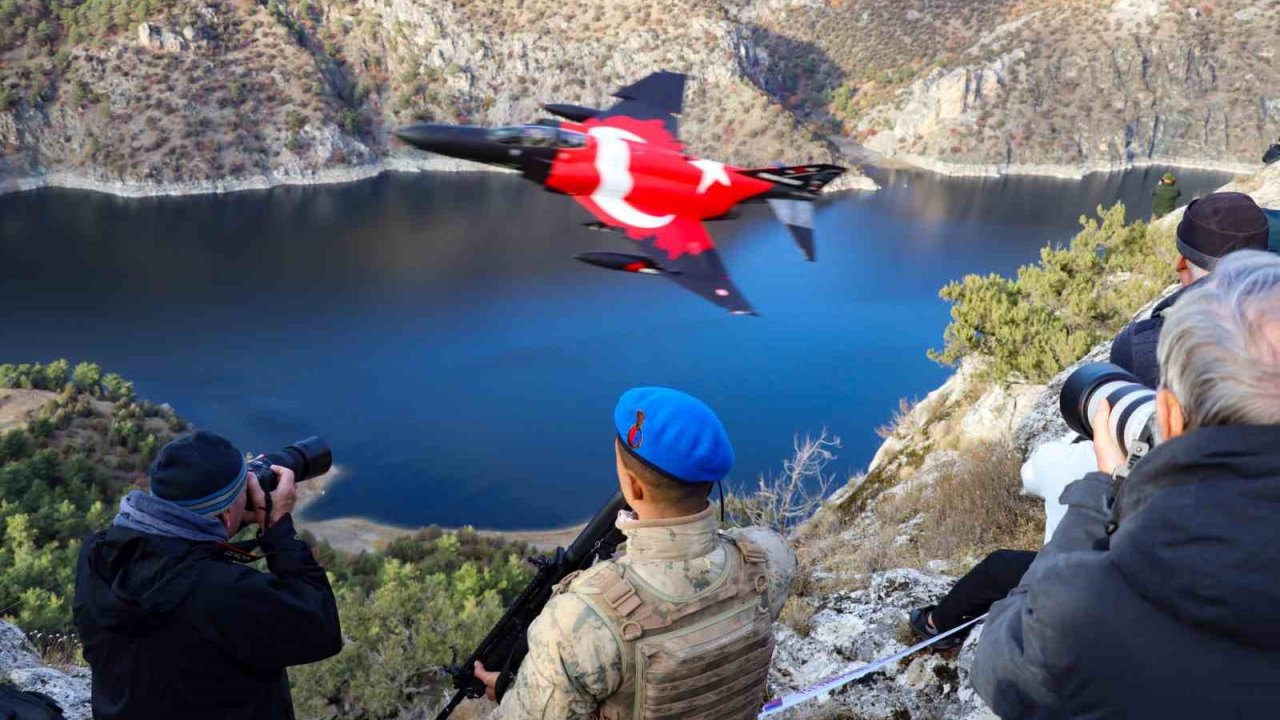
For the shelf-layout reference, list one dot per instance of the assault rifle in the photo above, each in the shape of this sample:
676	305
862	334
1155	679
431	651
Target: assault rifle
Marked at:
505	646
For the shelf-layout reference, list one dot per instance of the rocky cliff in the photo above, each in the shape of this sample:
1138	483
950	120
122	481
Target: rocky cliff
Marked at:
23	668
1051	86
217	94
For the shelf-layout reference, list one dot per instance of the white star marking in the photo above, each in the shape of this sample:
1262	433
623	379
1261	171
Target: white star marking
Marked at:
712	172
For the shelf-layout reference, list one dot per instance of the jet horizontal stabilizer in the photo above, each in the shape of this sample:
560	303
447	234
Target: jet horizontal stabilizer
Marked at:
805	179
574	113
623	262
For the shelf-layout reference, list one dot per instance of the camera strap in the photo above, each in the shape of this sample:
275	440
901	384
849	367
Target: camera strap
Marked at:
1141	446
241	552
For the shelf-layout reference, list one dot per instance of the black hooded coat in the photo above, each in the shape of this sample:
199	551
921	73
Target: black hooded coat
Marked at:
174	629
1174	615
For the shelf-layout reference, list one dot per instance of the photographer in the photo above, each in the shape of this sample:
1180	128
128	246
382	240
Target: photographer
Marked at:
174	628
1158	595
1211	228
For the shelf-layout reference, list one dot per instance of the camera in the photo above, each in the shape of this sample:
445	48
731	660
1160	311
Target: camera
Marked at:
307	459
1132	404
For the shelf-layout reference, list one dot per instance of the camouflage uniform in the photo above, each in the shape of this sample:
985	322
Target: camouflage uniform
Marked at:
574	661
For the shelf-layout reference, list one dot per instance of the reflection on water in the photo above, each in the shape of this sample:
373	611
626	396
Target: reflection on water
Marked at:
437	331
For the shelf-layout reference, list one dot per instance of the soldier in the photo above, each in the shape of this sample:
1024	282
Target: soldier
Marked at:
679	624
1166	196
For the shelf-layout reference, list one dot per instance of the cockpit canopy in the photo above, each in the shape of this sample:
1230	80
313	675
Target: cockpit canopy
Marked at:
538	136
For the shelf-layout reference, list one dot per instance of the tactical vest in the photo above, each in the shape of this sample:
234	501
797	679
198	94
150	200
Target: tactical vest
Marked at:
703	657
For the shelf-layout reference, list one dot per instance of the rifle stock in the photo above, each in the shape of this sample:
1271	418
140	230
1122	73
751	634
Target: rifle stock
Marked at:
504	647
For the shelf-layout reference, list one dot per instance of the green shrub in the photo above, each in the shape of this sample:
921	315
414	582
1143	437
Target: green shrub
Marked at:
1031	328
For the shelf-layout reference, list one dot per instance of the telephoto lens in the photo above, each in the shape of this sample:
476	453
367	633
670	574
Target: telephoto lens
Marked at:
1132	403
307	459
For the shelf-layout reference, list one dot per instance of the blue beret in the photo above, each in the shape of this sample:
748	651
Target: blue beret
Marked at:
675	433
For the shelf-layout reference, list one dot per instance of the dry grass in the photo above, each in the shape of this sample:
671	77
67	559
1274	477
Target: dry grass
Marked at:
955	511
900	416
978	506
783	501
60	650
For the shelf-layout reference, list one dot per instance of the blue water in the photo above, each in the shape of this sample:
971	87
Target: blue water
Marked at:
436	330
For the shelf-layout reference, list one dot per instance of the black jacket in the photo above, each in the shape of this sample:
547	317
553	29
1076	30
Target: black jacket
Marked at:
174	629
1272	154
1134	348
1175	615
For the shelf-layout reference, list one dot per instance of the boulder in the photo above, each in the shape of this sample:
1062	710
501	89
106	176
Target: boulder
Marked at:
21	667
851	629
155	37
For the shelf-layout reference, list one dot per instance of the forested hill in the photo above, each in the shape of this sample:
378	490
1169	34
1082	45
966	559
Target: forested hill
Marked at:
185	92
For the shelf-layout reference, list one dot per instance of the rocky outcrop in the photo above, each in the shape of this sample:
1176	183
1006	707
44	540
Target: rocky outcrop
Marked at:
216	96
1070	91
1051	88
21	667
851	629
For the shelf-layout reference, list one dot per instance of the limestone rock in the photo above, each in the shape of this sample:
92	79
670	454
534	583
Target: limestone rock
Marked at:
21	667
155	37
854	628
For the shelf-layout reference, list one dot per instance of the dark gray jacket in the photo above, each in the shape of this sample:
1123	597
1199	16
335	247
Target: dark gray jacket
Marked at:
1134	347
1175	615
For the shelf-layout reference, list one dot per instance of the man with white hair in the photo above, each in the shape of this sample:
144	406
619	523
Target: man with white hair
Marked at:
1159	595
1211	228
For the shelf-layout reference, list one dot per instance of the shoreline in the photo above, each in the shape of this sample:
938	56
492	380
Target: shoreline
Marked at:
319	176
360	534
1061	172
409	164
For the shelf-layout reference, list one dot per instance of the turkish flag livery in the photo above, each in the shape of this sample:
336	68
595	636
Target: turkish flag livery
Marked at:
625	164
634	175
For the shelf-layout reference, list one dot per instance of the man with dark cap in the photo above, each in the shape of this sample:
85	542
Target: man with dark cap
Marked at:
1211	228
1166	196
1158	596
1272	154
171	626
680	625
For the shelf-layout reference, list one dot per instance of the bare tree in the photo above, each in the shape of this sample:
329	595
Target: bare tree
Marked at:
782	501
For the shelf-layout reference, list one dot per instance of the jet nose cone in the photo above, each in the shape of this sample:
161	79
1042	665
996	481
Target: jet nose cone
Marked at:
459	141
426	136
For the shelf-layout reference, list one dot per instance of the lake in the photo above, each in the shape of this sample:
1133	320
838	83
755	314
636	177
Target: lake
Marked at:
437	331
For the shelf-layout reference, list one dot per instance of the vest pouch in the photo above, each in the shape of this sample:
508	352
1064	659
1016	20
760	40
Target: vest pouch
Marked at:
714	669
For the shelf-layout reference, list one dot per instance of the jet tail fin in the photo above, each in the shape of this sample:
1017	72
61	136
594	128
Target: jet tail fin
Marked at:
797	215
802	178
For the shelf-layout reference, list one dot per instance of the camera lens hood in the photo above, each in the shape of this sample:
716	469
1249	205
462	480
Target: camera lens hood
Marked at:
1079	388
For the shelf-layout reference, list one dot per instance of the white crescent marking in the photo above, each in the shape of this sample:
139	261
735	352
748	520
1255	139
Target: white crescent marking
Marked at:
613	162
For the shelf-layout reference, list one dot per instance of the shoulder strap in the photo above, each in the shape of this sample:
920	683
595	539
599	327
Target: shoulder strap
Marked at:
756	560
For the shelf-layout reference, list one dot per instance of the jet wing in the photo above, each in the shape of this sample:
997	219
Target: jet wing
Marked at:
699	268
686	254
659	96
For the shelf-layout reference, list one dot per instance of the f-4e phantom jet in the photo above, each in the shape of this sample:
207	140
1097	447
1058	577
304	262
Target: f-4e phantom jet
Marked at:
626	166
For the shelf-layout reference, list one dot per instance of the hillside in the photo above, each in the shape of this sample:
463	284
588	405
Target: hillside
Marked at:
211	94
1051	86
941	493
142	96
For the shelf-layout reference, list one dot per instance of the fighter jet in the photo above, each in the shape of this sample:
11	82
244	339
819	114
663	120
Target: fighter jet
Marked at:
627	167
